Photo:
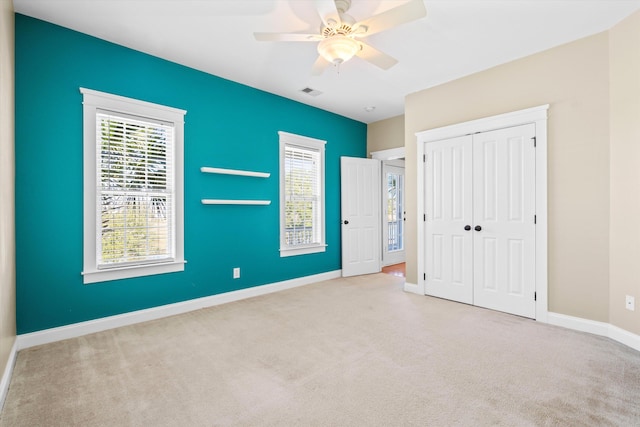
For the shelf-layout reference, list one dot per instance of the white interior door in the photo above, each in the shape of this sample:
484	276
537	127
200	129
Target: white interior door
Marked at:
360	208
393	213
504	210
449	218
480	225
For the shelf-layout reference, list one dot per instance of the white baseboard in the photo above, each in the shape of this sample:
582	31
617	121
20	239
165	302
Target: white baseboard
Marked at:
624	337
6	374
83	328
578	324
412	288
597	328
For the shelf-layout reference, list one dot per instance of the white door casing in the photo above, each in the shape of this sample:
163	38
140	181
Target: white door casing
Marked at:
390	157
360	209
537	116
449	203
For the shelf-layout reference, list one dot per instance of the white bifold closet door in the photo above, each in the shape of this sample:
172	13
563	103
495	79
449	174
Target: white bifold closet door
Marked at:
480	219
449	200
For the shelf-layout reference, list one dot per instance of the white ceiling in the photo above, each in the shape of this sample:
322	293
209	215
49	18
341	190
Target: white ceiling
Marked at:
456	38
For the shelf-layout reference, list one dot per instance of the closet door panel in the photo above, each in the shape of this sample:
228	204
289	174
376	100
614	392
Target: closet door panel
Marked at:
504	209
448	252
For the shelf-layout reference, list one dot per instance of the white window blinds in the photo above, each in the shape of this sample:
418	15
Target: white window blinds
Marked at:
135	194
302	196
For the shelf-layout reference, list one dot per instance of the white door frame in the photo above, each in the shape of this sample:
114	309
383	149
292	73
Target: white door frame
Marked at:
388	155
535	115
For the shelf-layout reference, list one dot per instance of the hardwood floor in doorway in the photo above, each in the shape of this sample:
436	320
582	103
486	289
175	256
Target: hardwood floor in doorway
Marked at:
398	270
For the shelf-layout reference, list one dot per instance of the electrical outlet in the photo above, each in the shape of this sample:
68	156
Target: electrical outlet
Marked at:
236	273
630	303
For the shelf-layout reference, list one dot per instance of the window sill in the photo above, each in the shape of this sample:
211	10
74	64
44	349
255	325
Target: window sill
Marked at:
312	249
128	272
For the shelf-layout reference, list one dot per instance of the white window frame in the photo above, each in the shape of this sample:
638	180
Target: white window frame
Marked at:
315	145
92	102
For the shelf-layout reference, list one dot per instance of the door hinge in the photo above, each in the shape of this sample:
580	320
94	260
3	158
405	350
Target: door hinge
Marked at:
535	296
425	276
424	158
534	141
535	219
425	217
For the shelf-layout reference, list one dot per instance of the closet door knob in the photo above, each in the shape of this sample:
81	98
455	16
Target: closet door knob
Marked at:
477	228
346	221
467	227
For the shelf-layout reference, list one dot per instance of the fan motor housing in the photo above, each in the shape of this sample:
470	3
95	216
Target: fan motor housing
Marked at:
344	29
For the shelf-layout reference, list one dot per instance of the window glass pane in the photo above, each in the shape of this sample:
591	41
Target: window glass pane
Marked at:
302	194
394	212
135	190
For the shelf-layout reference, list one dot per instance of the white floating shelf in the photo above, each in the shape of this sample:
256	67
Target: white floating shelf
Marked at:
206	169
235	202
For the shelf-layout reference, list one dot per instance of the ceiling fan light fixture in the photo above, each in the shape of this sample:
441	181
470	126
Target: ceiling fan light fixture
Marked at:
338	49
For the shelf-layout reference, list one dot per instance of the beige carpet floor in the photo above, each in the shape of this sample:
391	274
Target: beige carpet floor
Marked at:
346	352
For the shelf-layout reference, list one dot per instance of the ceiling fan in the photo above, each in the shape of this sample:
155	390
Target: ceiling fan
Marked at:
340	34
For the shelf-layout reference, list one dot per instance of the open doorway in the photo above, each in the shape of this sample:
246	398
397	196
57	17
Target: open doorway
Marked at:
393	211
398	270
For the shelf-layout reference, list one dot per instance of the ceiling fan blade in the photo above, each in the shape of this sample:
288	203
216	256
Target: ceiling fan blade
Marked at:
328	12
319	66
408	12
376	57
287	37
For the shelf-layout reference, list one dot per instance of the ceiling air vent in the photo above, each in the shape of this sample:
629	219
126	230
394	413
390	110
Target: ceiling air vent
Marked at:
310	91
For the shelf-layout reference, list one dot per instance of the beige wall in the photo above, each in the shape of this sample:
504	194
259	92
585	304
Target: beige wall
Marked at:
574	80
385	134
7	234
624	42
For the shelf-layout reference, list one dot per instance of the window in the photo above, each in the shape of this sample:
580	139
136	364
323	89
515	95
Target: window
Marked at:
133	192
302	229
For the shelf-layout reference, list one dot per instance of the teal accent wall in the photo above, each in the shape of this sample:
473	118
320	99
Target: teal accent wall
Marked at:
227	125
